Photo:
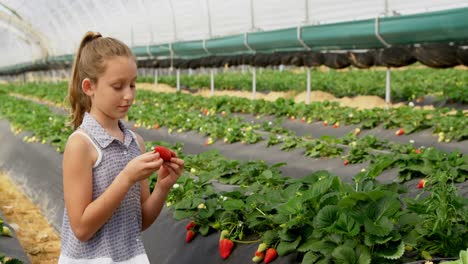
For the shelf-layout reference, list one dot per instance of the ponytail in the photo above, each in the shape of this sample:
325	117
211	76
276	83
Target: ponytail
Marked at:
89	63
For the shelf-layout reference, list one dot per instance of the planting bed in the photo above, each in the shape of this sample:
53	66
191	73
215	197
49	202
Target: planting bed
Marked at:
164	241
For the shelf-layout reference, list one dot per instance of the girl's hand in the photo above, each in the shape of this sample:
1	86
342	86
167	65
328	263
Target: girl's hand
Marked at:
142	166
169	173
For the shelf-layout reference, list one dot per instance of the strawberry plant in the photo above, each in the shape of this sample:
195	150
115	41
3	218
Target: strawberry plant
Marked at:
441	120
442	217
8	260
407	85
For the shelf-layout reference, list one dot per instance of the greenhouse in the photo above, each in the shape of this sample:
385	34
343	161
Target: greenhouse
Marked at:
248	131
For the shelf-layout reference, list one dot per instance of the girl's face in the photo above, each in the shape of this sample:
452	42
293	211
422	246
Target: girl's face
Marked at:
115	89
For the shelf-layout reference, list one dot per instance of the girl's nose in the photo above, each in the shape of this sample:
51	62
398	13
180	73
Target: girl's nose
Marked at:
129	94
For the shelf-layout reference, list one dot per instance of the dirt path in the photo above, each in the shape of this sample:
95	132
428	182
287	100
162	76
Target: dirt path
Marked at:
38	238
360	102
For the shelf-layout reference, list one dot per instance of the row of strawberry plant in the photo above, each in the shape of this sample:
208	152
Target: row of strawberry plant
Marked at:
5	231
407	85
319	217
383	155
272	182
26	116
403	156
443	122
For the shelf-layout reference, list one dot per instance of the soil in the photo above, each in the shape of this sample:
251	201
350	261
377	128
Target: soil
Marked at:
360	102
38	238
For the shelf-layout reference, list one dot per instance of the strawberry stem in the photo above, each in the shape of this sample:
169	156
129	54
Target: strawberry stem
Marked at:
246	241
260	211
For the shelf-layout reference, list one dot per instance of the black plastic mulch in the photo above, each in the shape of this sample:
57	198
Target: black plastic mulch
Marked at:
38	168
10	246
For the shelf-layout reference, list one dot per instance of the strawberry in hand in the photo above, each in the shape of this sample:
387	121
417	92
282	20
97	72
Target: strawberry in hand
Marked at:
165	153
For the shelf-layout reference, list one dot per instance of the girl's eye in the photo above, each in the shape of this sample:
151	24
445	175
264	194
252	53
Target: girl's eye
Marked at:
132	86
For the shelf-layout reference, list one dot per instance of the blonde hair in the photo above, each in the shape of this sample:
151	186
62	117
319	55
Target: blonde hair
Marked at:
90	62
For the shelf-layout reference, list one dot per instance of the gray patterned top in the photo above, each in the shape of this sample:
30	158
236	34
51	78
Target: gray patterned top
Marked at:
119	239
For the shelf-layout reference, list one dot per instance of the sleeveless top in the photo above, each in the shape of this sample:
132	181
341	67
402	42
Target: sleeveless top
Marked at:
119	239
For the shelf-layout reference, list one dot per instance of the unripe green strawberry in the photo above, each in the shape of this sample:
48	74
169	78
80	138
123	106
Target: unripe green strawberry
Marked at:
224	234
262	247
6	231
257	259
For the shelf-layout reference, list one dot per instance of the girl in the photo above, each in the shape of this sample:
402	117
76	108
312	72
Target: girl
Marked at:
105	167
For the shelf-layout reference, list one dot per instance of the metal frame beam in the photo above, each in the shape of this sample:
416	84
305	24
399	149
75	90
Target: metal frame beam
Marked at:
28	31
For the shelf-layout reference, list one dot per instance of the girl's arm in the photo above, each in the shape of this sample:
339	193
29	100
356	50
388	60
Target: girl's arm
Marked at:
152	204
88	216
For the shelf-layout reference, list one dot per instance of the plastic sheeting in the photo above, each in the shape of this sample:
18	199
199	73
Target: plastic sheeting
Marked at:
146	23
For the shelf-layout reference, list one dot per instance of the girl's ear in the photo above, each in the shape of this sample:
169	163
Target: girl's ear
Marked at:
88	87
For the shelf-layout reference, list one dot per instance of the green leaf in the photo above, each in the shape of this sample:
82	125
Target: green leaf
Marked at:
292	206
285	247
269	236
182	214
327	216
310	257
233	204
364	256
322	246
347	225
388	206
382	227
185	204
14	261
390	250
206	213
204	229
382	164
371	240
344	255
292	189
267	174
308	245
409	219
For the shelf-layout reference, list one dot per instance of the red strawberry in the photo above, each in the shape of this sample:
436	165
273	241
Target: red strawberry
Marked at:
190	225
421	184
225	247
418	151
189	236
270	255
400	132
165	153
156	126
258	256
346	162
